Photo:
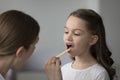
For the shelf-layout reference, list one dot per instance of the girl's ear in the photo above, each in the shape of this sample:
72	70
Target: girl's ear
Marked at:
94	39
20	51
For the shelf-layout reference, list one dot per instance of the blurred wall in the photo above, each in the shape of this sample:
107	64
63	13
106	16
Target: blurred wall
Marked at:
111	16
52	14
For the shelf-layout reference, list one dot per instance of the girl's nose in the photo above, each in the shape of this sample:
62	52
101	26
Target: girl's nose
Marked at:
69	37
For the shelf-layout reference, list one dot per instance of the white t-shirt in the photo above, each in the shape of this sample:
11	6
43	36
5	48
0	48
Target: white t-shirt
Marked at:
1	77
95	72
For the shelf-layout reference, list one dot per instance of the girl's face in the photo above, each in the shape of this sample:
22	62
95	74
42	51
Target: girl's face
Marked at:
76	36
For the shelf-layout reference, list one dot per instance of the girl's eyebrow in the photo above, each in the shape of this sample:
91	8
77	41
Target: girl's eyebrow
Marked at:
65	27
75	29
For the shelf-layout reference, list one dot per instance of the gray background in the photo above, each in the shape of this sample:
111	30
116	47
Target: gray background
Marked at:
52	14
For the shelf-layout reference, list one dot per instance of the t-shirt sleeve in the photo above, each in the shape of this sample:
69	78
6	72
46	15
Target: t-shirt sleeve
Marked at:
103	76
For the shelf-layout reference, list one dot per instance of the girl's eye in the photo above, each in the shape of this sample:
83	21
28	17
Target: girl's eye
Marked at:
77	33
66	32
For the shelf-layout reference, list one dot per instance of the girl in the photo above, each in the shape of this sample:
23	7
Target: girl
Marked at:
18	37
84	34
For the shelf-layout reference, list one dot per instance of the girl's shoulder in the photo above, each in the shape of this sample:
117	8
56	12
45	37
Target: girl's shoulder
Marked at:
100	72
98	68
67	65
94	68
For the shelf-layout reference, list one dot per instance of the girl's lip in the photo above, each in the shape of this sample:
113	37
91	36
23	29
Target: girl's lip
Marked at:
70	48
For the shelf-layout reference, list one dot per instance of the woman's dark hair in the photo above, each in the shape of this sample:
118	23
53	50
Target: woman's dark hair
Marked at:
16	29
99	50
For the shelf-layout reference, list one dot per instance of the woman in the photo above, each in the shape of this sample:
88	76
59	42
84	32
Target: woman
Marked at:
18	36
84	34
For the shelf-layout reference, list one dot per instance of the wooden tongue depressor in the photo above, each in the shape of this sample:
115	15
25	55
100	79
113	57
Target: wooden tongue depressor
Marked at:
62	53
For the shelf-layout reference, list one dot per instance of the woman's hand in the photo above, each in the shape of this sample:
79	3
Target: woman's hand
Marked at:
53	69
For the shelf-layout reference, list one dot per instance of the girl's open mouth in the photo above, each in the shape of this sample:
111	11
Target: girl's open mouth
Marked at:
69	46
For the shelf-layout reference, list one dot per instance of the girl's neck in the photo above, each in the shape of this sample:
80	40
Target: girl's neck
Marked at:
82	62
